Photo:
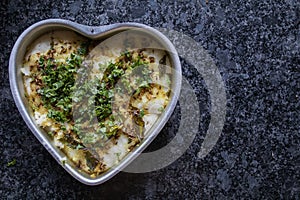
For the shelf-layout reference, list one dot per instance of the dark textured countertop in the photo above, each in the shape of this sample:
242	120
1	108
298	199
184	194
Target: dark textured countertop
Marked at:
255	45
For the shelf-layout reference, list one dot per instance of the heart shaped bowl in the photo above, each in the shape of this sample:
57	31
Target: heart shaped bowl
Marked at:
35	31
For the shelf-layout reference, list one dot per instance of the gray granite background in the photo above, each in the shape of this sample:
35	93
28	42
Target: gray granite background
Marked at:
256	47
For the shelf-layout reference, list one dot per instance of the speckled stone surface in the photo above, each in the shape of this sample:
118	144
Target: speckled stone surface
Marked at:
255	45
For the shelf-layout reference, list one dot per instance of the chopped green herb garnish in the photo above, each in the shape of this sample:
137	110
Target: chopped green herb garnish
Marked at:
142	113
83	49
161	109
11	163
63	128
50	133
63	161
118	155
58	84
79	146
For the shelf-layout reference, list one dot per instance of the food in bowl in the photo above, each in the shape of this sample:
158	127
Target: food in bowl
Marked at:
96	102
